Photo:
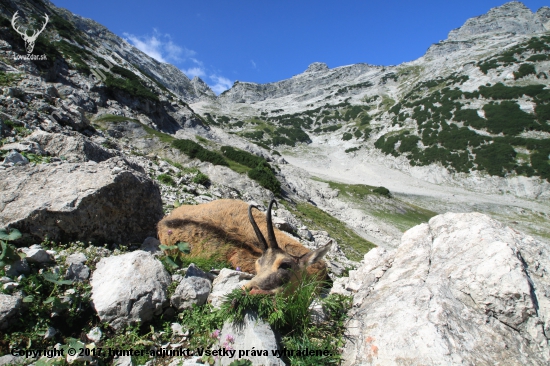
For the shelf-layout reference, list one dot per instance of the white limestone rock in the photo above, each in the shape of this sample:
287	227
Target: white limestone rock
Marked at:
227	281
252	333
129	288
462	289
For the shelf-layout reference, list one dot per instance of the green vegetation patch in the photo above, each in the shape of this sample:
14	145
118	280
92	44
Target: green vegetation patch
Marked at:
524	70
290	317
241	156
194	150
509	119
129	83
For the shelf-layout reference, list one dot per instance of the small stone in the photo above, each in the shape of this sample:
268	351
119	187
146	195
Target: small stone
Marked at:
151	245
50	333
37	255
177	329
10	286
15	158
94	334
76	258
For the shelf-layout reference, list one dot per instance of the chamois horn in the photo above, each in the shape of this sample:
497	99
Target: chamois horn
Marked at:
261	240
270	233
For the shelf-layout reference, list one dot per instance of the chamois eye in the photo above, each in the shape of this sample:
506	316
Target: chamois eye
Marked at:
285	266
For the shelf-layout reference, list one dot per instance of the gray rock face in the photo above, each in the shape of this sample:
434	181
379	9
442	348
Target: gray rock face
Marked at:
463	289
9	307
77	148
109	201
253	333
202	90
192	290
129	288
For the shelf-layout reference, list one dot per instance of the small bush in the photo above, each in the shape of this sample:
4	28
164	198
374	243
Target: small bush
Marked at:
166	179
347	136
290	317
201	179
496	158
352	149
382	191
524	70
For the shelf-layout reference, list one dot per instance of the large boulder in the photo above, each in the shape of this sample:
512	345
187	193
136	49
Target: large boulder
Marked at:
461	289
129	288
105	202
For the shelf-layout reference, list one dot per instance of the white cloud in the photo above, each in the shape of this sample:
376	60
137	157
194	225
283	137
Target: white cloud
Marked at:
253	63
160	47
221	83
194	71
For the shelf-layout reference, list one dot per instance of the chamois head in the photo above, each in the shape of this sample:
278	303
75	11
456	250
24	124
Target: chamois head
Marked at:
277	268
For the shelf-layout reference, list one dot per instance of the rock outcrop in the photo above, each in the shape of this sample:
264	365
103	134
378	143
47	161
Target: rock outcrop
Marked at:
73	148
104	202
462	289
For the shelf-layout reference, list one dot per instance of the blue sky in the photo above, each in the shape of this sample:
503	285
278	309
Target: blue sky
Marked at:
265	40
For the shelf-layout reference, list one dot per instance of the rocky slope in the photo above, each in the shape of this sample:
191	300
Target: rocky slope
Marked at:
101	160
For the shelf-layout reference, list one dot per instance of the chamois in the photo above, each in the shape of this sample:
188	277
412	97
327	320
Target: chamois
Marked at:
230	227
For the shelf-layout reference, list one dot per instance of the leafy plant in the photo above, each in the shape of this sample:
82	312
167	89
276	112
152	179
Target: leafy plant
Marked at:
8	255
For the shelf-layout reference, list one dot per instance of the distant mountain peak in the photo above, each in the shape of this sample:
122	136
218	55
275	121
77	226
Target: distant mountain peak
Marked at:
512	17
316	67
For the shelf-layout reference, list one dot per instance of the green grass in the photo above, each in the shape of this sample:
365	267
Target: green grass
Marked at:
290	317
352	244
8	79
412	216
114	118
164	137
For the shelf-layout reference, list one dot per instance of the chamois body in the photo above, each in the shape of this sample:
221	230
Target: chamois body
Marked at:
229	227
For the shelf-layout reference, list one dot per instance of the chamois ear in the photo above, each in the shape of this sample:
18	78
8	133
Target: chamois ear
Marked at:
315	256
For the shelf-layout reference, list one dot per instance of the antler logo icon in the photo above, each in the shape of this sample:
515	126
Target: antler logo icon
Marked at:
29	40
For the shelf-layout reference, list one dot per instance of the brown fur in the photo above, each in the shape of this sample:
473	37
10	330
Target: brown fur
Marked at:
208	226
